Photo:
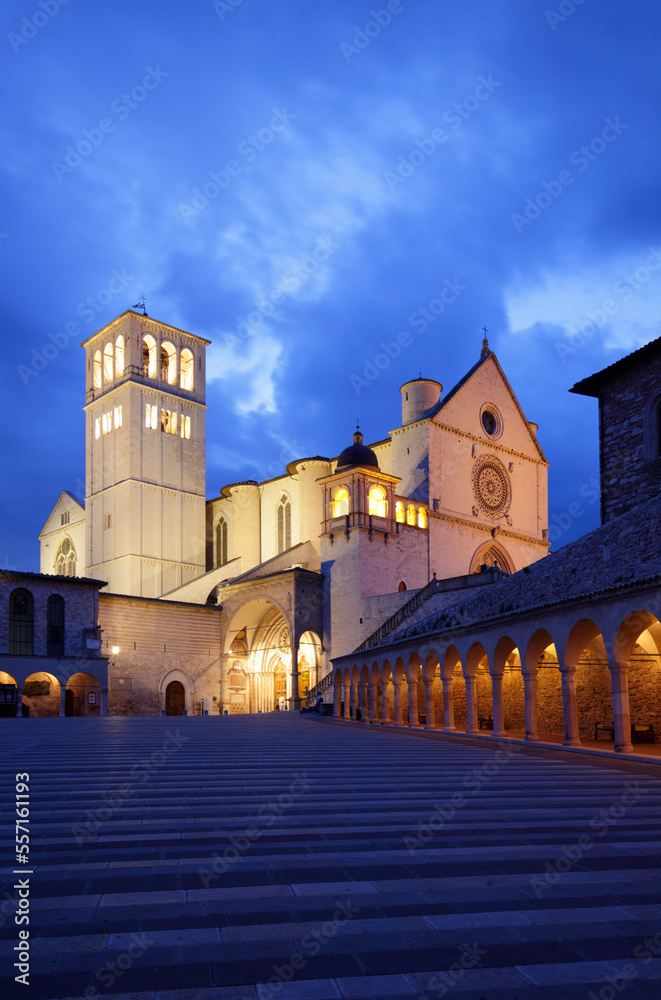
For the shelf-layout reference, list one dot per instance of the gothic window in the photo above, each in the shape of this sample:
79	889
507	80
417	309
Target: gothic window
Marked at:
64	517
97	369
399	511
376	502
340	503
402	586
422	517
169	421
168	363
21	622
186	370
284	523
119	356
148	356
108	359
65	560
55	625
221	542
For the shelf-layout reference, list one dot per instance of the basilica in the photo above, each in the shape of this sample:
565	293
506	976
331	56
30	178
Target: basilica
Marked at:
261	597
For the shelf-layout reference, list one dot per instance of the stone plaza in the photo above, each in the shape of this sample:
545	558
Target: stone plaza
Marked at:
282	855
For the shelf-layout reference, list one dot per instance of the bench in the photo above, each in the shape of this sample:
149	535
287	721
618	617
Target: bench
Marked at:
604	727
642	734
484	722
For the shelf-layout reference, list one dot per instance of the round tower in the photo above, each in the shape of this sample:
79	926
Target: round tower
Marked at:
419	397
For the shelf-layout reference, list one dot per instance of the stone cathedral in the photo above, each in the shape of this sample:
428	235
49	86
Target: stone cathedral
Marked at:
239	603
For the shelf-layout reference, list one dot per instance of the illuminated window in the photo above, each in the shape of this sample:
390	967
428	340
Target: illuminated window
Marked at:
106	422
108	353
151	416
55	625
340	504
410	514
97	428
118	416
97	369
186	369
399	511
65	560
119	356
422	517
168	363
148	356
185	427
284	523
173	422
21	622
221	542
376	502
169	421
402	587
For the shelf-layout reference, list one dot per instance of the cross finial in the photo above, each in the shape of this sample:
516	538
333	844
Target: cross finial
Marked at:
485	343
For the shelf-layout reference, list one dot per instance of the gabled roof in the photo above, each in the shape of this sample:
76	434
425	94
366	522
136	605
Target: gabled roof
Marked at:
70	496
592	385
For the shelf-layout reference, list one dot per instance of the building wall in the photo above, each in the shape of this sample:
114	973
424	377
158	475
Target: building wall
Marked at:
54	532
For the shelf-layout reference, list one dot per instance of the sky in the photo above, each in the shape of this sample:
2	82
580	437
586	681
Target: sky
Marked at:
403	169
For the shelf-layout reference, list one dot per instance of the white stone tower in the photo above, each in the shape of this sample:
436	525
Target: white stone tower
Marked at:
145	456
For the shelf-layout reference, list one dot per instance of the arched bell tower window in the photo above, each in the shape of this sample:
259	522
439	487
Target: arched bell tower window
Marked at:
377	505
340	503
221	542
119	356
97	369
65	560
186	367
283	518
148	356
410	514
108	359
21	622
168	363
399	512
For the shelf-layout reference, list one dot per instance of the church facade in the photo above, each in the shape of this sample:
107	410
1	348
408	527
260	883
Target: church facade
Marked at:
239	603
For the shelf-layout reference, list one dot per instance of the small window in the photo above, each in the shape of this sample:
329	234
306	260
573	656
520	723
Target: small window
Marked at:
118	416
148	356
377	505
119	356
399	512
410	514
221	542
21	622
107	520
402	586
108	359
151	416
106	422
284	523
422	517
97	369
64	518
185	427
168	363
340	502
55	625
186	369
97	428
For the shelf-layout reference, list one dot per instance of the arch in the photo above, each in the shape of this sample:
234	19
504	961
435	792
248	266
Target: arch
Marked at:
97	370
491	555
309	658
168	363
55	625
340	502
590	686
119	356
377	504
65	558
410	514
41	694
401	587
399	512
83	695
108	362
283	523
422	517
221	543
638	638
639	628
8	689
176	676
148	356
186	370
21	622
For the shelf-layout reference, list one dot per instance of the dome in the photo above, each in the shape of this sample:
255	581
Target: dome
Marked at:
357	454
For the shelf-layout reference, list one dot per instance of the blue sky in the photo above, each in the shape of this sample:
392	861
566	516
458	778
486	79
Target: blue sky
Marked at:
356	158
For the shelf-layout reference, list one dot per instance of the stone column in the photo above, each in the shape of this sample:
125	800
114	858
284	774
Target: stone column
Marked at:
471	706
621	711
385	718
294	701
19	701
63	699
429	703
347	702
104	701
497	709
372	703
397	685
337	701
448	706
570	707
530	698
364	706
414	718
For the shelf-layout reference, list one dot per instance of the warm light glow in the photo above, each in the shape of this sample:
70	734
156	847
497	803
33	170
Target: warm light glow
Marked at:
149	356
340	504
399	511
115	650
422	517
186	366
410	514
119	356
108	353
185	427
377	503
97	369
168	363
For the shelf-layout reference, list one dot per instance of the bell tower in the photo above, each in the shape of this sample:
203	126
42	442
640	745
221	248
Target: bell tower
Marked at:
145	456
